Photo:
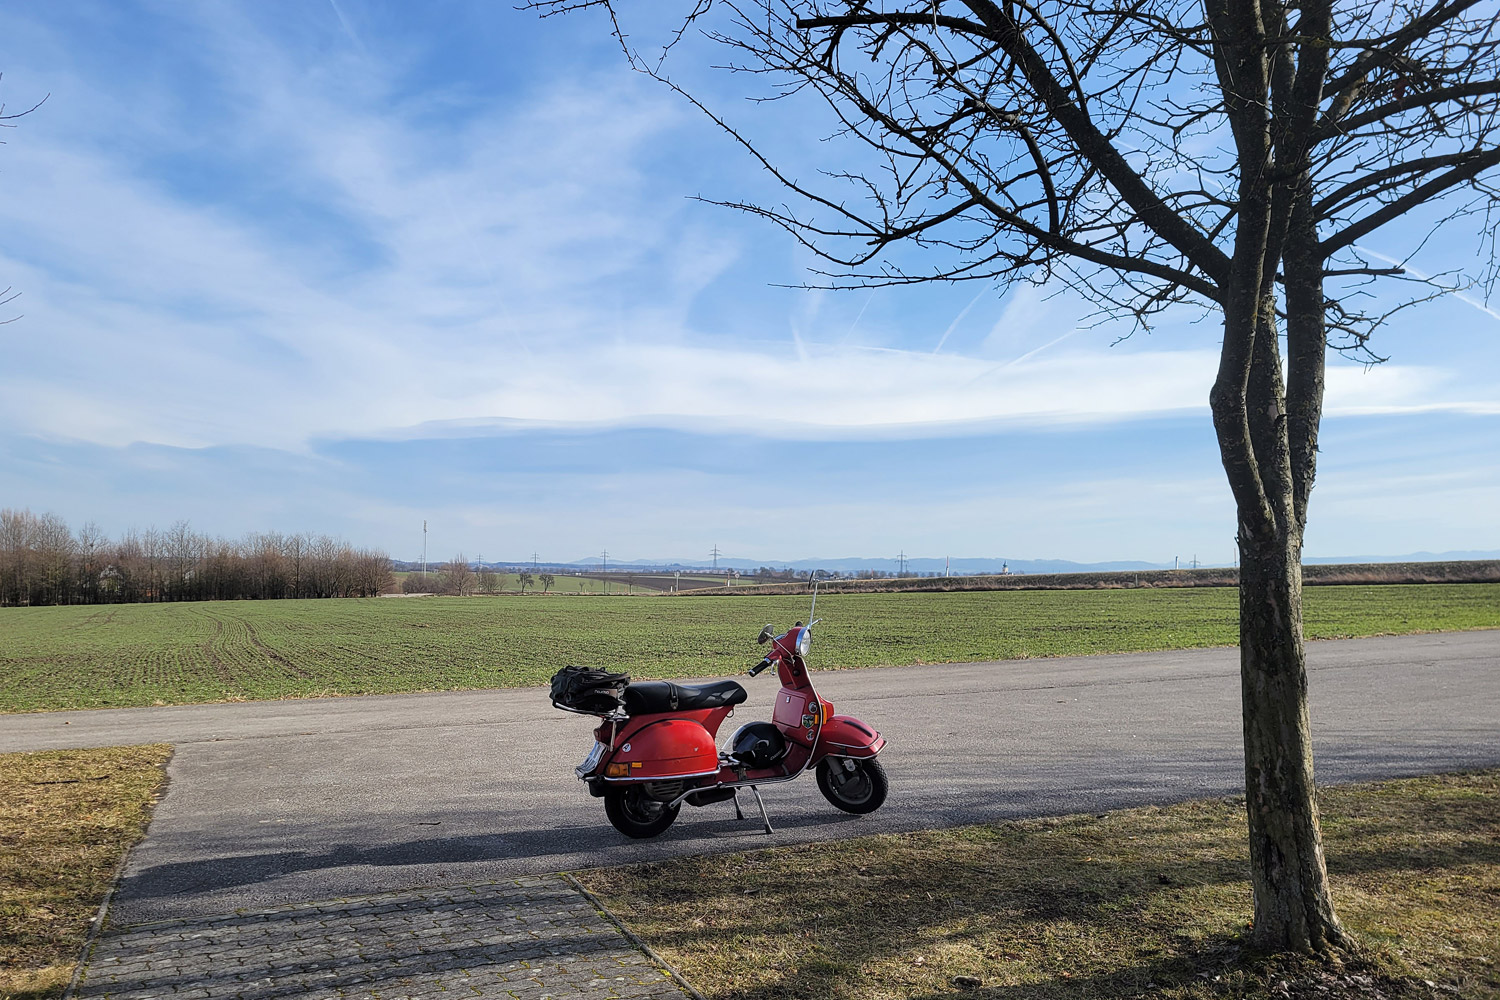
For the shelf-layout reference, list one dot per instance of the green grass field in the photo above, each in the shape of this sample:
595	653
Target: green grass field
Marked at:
90	657
508	583
645	583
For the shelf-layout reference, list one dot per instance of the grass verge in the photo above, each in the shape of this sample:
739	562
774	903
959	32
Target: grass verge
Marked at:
192	652
1143	902
67	817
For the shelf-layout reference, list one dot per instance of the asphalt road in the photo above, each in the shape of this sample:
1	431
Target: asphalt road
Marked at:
276	802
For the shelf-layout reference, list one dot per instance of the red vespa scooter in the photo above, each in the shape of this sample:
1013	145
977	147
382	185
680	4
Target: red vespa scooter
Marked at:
656	749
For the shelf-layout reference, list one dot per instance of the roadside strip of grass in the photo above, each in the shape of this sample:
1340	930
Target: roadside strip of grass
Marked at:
1142	902
67	817
113	656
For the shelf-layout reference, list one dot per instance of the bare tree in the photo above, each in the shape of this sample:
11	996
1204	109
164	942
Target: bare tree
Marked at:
457	577
526	580
41	562
91	546
7	294
547	581
1231	154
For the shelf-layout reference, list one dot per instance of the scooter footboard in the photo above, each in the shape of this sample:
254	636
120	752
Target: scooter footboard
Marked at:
846	736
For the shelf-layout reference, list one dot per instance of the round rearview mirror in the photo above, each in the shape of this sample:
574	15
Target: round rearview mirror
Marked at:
766	635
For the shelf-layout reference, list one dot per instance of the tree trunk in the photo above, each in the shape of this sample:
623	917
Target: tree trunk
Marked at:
1293	910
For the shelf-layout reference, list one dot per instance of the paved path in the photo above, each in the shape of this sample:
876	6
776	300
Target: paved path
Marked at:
283	802
529	938
450	809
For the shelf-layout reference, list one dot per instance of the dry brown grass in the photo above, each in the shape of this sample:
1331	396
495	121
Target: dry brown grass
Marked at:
67	817
1144	902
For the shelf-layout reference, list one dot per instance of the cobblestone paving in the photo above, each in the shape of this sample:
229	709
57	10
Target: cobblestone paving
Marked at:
530	938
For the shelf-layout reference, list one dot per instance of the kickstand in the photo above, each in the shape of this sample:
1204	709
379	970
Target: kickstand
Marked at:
764	818
738	814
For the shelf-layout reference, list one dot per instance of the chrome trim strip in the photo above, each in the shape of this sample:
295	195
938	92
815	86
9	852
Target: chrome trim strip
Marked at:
663	777
875	754
617	715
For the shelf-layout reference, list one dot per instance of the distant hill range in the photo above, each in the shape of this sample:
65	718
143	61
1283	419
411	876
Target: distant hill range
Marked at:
926	566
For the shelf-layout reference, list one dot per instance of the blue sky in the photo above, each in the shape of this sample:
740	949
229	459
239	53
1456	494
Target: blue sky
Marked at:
343	267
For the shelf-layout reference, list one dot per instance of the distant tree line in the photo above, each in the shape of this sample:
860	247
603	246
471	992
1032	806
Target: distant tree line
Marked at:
460	577
42	561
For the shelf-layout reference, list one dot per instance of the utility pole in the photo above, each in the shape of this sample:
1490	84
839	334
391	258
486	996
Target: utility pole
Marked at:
424	548
533	560
901	562
605	572
716	553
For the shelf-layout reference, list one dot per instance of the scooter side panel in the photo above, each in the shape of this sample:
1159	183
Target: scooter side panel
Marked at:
662	750
846	736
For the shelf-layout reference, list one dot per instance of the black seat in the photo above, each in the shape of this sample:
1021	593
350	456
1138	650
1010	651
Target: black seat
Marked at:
650	697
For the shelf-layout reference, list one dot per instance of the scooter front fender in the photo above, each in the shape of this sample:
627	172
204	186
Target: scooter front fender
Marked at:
663	750
846	736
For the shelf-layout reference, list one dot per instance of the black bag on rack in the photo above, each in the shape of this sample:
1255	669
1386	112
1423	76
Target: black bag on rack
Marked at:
586	689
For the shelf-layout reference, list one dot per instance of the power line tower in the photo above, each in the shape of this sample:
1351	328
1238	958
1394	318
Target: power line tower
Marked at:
424	548
533	560
716	554
901	562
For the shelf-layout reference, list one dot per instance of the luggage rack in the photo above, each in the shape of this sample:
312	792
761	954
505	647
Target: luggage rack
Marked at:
613	715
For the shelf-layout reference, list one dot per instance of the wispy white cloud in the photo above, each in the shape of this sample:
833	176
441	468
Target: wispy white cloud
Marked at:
470	265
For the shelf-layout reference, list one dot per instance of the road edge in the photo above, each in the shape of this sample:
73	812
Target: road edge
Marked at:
630	935
96	928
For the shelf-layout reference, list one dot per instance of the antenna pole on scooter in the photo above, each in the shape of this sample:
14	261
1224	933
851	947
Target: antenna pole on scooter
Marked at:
810	613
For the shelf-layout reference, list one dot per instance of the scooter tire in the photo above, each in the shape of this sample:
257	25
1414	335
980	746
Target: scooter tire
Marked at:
862	791
636	814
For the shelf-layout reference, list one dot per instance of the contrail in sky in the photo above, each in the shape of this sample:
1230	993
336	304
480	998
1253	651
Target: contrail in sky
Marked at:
958	319
1462	296
850	332
348	28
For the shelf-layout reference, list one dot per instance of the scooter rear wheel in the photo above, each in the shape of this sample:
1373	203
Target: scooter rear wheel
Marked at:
636	814
858	790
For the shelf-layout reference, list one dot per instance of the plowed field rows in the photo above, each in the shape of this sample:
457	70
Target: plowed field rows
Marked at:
55	658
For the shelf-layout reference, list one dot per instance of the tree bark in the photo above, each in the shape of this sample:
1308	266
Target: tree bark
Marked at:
1293	909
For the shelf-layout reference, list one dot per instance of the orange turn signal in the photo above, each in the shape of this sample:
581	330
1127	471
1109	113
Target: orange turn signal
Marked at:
616	770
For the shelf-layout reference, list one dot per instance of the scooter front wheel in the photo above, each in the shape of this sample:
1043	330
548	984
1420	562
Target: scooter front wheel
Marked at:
859	788
636	814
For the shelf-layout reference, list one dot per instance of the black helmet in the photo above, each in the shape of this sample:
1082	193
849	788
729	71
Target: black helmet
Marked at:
757	744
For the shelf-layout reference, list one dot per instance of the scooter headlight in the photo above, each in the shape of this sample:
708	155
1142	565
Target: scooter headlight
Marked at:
804	641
